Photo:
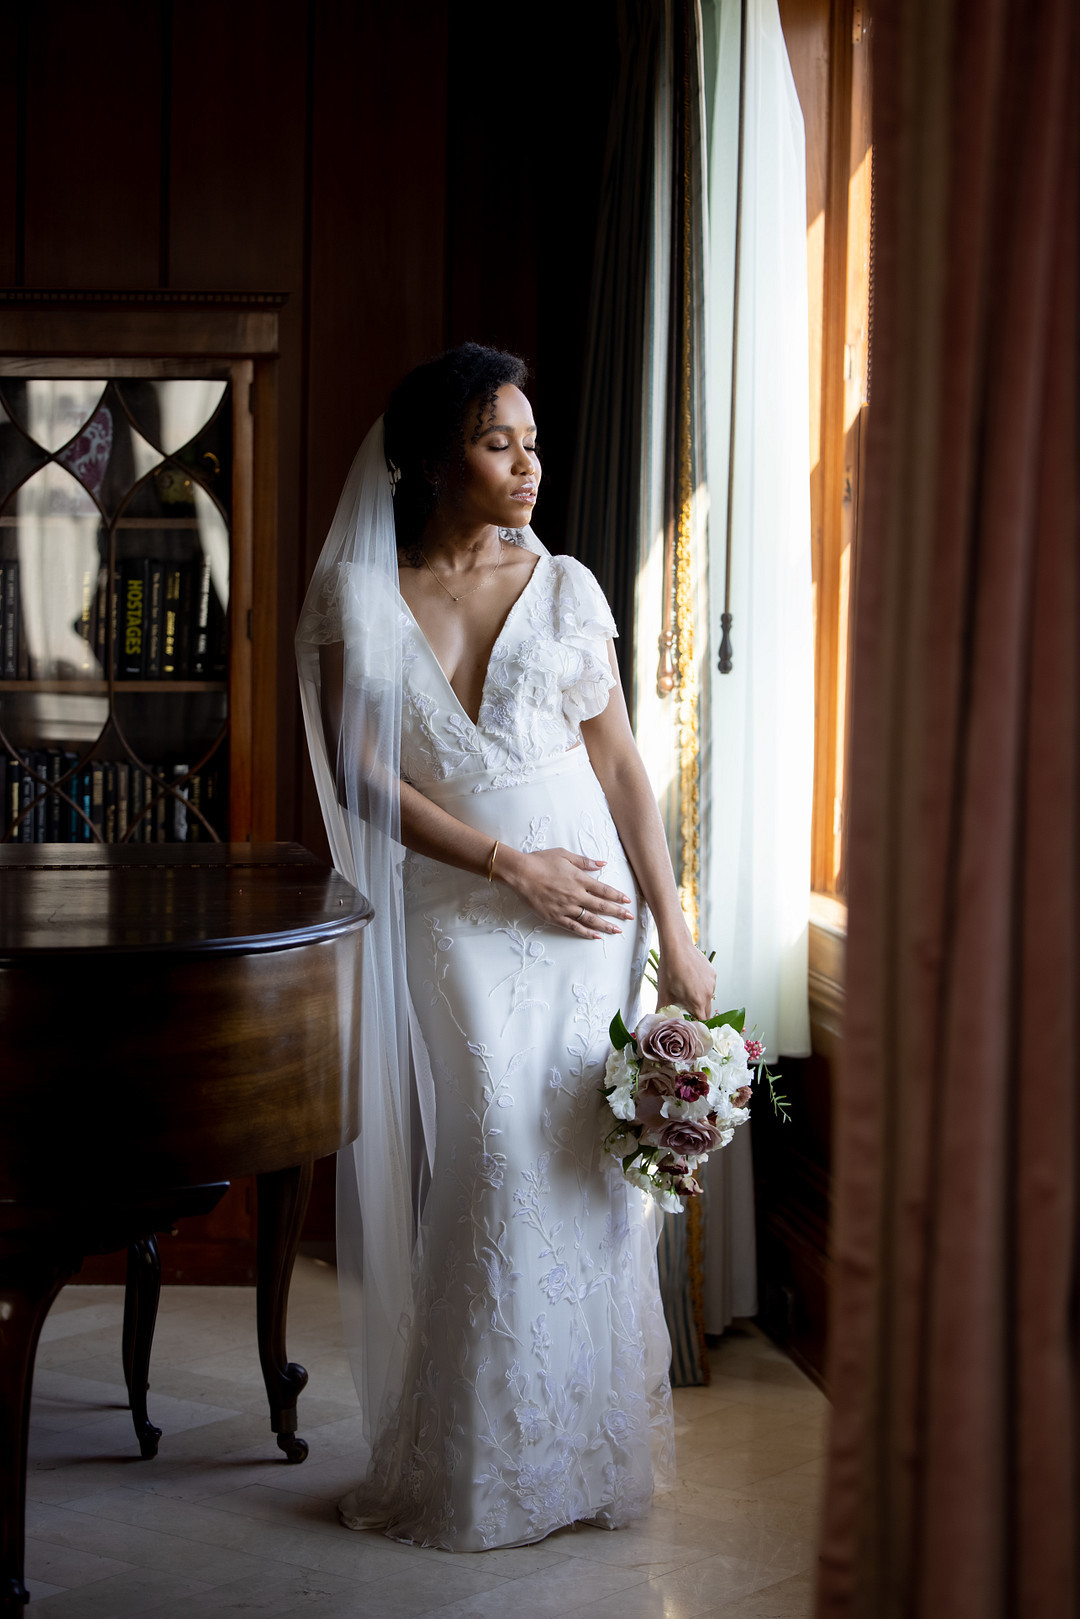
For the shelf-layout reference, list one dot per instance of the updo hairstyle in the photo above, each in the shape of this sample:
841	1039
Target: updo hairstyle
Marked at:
425	426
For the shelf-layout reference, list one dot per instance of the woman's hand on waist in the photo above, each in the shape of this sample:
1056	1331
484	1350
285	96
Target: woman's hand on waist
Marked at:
565	889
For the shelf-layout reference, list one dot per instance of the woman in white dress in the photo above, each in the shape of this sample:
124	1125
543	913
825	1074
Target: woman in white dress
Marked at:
522	1383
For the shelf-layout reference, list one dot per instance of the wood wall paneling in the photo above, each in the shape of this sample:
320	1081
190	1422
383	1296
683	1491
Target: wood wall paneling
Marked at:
93	142
237	185
12	88
376	283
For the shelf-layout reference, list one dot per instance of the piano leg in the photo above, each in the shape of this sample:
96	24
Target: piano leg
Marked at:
140	1314
31	1281
283	1201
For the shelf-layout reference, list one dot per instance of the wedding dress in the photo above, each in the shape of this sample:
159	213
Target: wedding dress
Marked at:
535	1389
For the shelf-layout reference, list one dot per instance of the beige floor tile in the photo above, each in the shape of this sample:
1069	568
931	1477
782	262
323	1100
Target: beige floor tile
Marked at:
137	1591
690	1591
427	1583
219	1524
40	1589
548	1594
162	1552
788	1599
287	1591
65	1566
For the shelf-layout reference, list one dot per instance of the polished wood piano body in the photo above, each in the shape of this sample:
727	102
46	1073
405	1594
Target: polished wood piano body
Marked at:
171	1018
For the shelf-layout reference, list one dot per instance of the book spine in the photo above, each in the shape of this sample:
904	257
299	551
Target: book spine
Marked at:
132	587
97	797
109	789
69	821
123	791
186	632
9	626
18	634
170	645
26	798
5	820
40	794
196	830
53	767
138	802
200	657
155	616
14	798
101	620
178	832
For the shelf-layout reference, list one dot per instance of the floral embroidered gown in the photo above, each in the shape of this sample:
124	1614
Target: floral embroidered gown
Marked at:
537	1388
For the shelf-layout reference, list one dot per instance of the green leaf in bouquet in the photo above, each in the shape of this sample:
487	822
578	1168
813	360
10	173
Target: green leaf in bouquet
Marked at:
780	1103
735	1019
619	1033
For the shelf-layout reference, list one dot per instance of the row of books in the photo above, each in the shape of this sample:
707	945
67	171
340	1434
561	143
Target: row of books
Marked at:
168	623
112	794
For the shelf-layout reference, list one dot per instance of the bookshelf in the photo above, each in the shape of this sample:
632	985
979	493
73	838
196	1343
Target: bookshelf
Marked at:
137	566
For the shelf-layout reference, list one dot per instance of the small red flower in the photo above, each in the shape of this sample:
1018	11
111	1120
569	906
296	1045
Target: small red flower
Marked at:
690	1087
755	1050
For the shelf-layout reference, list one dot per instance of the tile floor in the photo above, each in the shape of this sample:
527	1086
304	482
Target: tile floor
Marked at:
220	1524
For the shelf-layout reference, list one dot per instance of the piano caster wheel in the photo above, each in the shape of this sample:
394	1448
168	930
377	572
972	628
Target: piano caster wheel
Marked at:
148	1441
294	1447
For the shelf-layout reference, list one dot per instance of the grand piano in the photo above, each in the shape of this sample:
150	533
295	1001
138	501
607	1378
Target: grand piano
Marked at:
171	1017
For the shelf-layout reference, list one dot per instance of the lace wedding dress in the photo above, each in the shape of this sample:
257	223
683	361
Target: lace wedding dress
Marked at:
537	1388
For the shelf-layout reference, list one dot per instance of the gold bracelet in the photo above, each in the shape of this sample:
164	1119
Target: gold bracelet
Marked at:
491	862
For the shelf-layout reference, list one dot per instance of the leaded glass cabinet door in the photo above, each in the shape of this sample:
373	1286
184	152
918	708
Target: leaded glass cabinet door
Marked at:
120	494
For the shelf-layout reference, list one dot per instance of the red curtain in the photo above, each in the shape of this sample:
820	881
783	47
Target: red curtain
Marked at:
953	1475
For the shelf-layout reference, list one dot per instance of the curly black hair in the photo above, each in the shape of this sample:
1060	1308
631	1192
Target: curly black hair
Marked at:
425	425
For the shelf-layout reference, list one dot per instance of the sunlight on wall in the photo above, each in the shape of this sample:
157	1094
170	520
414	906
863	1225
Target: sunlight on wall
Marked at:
815	286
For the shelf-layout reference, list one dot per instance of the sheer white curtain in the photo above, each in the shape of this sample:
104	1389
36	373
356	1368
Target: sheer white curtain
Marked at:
757	726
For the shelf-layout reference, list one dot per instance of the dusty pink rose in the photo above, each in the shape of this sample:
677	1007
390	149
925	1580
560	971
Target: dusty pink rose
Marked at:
668	1039
740	1097
684	1137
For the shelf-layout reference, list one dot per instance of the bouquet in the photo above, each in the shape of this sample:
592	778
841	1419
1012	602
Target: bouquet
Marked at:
677	1087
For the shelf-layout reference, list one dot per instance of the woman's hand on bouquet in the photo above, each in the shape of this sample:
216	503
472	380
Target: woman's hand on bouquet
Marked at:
565	888
685	978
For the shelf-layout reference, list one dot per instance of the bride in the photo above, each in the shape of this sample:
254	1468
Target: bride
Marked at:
480	783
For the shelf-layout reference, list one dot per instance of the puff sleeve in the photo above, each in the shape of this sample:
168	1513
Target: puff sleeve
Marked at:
584	627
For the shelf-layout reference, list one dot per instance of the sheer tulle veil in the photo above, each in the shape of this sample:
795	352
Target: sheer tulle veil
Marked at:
349	650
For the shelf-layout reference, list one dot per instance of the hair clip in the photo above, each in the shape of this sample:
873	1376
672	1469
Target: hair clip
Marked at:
395	475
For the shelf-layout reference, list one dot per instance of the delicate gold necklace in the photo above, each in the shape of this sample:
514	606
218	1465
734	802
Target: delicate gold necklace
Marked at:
490	575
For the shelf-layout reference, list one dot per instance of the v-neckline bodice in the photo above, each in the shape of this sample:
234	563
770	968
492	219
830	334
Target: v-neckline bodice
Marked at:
511	610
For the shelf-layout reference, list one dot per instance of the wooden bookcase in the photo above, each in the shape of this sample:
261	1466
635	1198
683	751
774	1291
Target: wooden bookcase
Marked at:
127	341
124	341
